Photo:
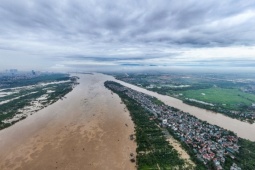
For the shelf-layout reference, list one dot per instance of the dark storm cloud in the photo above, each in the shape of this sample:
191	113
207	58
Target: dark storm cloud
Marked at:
198	22
119	31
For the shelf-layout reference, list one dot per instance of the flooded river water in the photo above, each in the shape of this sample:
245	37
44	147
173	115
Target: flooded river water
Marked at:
88	129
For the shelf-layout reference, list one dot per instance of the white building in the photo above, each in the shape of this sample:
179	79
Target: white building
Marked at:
164	121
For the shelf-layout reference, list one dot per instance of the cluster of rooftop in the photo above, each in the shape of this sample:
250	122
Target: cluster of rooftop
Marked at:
209	142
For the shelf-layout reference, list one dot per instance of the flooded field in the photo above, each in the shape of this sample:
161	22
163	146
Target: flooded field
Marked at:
19	102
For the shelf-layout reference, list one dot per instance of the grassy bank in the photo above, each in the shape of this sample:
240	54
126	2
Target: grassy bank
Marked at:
227	98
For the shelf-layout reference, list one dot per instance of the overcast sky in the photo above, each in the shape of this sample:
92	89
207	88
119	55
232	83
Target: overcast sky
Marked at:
107	34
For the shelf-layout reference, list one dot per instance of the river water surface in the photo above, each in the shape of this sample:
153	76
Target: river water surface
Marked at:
88	129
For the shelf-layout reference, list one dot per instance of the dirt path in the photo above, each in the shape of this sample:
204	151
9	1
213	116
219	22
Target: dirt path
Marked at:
183	154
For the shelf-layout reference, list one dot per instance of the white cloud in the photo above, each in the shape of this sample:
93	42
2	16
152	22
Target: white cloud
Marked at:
64	34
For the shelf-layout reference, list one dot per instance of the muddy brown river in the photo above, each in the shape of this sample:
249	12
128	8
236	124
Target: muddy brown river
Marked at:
88	129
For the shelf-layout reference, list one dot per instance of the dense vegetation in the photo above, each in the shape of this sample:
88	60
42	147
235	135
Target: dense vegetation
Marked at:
153	151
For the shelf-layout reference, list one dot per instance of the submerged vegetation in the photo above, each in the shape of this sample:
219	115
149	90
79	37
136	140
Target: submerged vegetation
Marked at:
25	97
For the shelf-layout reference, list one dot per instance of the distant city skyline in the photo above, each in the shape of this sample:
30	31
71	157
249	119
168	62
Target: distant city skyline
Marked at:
76	35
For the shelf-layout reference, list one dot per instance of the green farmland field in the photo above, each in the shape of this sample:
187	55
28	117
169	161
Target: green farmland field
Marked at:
228	98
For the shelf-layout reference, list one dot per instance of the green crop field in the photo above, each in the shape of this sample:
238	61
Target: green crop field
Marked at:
228	98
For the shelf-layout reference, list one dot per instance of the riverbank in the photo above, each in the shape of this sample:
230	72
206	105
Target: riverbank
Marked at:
153	151
82	131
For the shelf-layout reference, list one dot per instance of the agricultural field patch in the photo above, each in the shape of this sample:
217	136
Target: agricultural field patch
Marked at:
227	98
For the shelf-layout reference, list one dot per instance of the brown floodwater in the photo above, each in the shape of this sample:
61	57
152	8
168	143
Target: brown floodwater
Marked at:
89	129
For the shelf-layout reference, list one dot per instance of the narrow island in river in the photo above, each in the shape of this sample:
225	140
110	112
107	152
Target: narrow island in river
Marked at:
210	146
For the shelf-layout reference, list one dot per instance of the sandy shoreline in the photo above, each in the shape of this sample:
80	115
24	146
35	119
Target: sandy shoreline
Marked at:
87	130
183	154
